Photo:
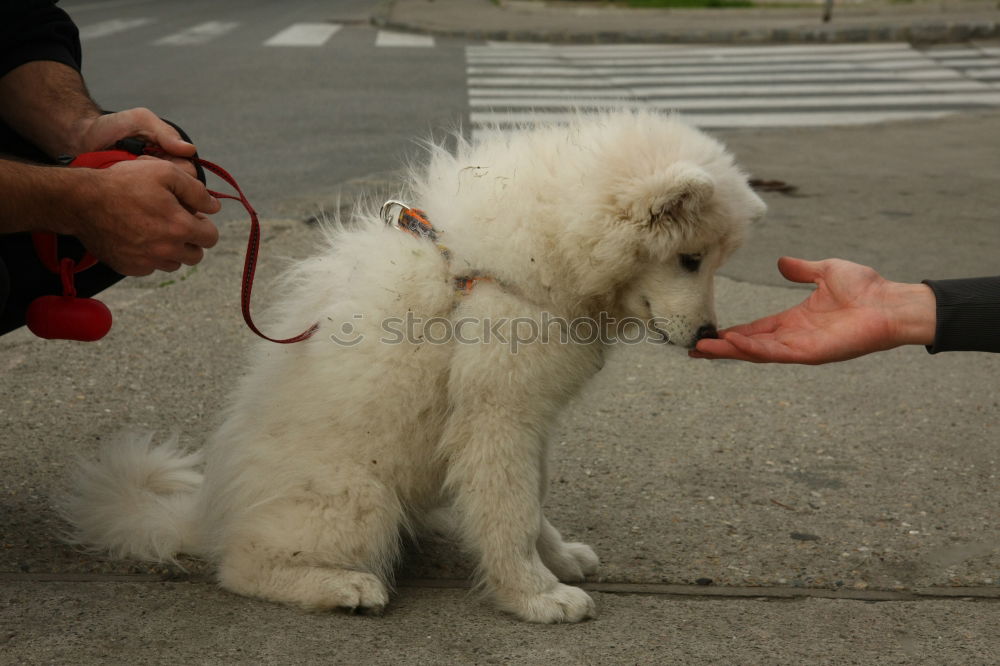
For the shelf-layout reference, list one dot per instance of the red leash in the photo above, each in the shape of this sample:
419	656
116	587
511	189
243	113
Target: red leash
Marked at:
253	249
87	319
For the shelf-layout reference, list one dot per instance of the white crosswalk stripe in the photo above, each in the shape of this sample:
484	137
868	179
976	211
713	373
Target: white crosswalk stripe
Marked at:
402	39
739	86
198	34
295	35
304	34
975	62
111	27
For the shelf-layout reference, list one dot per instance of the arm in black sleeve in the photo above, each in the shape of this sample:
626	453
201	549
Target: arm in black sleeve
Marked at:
968	314
33	30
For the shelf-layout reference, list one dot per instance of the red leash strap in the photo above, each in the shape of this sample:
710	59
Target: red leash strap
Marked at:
253	249
47	249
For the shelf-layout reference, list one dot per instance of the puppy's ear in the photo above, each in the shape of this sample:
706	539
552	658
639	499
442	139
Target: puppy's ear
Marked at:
687	188
676	195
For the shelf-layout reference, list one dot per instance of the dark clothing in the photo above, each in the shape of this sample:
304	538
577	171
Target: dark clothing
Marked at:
968	314
36	30
33	30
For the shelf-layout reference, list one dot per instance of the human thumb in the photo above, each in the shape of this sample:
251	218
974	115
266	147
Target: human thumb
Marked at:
175	146
800	270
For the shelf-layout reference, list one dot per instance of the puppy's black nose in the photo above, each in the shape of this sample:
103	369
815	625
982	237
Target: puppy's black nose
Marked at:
706	331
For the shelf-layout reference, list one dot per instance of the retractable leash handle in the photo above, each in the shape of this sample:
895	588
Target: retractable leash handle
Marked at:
67	317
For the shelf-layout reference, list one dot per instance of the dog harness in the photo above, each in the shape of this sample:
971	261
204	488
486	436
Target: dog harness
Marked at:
414	222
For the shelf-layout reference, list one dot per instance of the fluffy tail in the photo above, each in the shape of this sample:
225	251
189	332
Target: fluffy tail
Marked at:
137	500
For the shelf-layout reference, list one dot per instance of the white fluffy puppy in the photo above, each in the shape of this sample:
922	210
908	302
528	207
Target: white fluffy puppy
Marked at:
412	397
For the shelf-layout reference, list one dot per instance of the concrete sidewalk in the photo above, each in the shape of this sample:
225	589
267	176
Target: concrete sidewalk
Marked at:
743	514
918	21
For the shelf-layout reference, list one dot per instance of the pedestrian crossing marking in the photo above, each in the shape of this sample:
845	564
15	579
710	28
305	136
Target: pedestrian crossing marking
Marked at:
828	102
976	62
295	35
402	39
304	34
727	86
198	34
486	122
798	89
111	27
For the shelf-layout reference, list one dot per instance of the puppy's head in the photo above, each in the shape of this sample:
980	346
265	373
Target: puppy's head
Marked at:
673	206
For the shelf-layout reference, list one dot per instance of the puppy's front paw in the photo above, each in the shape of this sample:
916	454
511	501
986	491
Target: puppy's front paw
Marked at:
562	603
571	562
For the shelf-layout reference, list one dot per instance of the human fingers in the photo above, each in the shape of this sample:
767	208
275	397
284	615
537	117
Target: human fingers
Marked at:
168	265
717	349
767	324
171	255
203	232
800	270
182	163
143	122
745	348
192	233
760	349
191	254
167	138
192	194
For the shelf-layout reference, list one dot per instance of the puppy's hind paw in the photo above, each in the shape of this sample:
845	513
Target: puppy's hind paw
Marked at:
560	604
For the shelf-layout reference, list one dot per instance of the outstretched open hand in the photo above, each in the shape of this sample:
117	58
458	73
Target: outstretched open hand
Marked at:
852	312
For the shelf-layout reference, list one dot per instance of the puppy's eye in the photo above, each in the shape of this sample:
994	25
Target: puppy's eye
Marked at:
691	262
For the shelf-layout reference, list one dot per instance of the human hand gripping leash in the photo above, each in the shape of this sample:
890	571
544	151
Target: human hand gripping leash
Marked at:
86	319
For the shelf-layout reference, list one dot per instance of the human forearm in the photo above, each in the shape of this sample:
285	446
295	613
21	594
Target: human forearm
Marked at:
41	198
48	103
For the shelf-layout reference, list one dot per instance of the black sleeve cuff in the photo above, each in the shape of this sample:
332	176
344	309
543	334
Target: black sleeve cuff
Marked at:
33	30
968	315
